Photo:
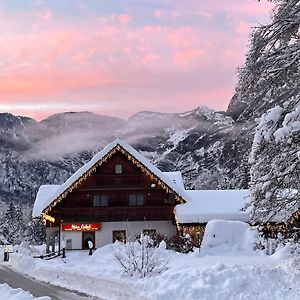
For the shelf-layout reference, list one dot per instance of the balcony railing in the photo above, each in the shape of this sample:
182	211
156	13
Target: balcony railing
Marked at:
112	214
124	180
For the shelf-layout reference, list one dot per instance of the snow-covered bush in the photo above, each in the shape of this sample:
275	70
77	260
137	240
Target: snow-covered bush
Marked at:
180	243
141	258
271	245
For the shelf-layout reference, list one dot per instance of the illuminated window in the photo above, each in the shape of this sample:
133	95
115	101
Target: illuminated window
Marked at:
119	235
118	169
100	200
136	199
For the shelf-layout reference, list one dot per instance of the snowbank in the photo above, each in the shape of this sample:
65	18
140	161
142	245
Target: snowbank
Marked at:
98	275
228	238
9	293
192	276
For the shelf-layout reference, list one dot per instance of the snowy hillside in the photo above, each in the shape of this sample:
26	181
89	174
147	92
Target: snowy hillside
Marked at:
207	146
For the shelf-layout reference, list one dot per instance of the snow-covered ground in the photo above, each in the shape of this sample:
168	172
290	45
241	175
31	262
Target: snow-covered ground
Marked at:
9	293
226	271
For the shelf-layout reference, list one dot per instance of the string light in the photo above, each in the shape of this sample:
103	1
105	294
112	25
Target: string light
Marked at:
93	169
295	217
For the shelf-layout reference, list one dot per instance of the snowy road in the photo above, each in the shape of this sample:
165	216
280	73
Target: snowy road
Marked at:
37	288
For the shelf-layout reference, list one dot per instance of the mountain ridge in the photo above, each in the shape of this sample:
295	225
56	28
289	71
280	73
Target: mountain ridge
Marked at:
208	147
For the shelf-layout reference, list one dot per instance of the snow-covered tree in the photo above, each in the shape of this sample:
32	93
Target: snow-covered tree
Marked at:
13	228
275	159
269	88
271	72
270	78
36	232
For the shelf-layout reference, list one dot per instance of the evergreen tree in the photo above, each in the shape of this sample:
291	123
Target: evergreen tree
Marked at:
269	81
271	72
275	159
13	229
36	232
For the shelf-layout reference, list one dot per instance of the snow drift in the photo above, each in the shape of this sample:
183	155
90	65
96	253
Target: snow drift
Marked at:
228	237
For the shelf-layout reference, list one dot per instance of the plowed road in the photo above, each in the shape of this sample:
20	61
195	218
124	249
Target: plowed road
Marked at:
37	288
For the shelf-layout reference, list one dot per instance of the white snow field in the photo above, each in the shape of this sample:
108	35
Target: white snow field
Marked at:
227	268
8	293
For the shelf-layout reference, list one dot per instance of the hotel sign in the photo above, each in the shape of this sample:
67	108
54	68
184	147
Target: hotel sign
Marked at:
81	227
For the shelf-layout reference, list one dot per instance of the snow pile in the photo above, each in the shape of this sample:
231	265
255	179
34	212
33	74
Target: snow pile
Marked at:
222	281
193	276
228	237
23	259
99	275
9	293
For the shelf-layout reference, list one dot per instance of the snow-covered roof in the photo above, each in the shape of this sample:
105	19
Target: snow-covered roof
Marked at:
43	197
176	177
42	203
205	205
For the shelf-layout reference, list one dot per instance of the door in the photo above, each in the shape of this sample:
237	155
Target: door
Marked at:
87	236
69	244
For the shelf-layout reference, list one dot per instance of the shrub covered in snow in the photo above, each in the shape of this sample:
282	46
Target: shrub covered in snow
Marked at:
141	258
273	244
179	243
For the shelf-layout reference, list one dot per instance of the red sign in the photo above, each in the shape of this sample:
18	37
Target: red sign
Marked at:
81	227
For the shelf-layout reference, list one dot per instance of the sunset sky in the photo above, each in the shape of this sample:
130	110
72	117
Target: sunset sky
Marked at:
118	57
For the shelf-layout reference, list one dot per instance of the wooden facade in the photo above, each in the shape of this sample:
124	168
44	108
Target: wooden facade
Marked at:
117	191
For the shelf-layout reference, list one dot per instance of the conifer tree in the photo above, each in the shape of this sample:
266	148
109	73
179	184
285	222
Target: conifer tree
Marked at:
36	232
13	229
275	159
269	84
271	72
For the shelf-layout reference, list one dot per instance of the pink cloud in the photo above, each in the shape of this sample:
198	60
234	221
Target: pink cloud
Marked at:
47	15
158	13
124	19
243	28
182	58
119	69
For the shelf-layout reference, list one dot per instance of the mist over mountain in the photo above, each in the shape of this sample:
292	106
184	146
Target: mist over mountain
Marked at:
207	146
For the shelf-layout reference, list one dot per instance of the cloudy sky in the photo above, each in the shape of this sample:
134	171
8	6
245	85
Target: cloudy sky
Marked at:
118	57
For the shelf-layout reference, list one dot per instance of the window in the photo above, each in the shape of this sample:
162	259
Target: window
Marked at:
118	169
100	200
136	199
119	235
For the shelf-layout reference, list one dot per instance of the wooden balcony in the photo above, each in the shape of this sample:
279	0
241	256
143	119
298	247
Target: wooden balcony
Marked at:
123	180
114	214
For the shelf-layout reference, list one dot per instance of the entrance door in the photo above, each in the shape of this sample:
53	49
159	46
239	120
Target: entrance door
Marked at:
87	236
